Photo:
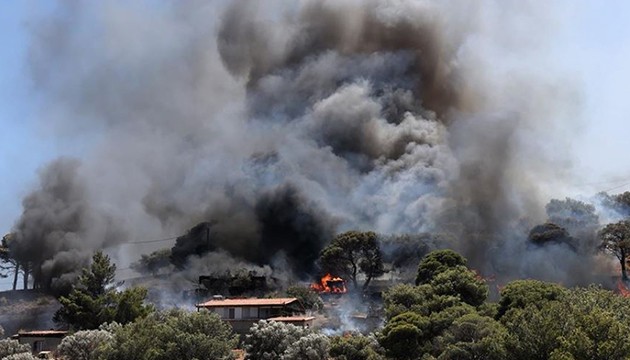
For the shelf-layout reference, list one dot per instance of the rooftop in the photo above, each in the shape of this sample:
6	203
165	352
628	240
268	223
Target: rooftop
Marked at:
292	318
248	302
51	333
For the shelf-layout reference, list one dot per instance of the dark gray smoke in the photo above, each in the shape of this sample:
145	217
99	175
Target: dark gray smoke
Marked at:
59	228
281	123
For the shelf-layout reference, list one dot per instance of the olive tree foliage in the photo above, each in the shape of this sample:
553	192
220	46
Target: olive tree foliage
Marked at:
351	253
356	347
20	356
85	345
310	347
615	239
10	347
269	340
173	334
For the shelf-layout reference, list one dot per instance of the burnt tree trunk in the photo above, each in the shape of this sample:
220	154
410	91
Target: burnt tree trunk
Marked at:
15	275
624	274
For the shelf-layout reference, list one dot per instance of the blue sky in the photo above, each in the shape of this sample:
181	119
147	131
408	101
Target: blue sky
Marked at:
22	147
593	48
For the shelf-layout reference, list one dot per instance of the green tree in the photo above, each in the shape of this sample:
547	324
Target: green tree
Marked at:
461	282
437	262
406	336
596	335
615	239
535	331
93	301
520	293
473	336
356	347
406	298
353	252
173	334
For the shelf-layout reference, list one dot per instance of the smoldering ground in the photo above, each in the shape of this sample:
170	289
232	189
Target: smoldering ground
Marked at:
282	123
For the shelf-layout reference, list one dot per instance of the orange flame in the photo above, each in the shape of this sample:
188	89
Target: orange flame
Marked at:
330	284
478	276
623	289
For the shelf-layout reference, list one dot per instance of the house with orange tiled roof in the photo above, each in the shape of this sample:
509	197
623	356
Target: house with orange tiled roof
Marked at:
243	313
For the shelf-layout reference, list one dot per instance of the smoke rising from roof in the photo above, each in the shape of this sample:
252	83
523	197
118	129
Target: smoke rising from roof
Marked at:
281	123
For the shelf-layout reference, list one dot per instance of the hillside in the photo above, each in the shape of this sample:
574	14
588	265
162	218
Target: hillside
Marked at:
26	310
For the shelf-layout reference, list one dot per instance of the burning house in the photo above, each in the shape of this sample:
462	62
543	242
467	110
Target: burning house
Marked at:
329	284
365	115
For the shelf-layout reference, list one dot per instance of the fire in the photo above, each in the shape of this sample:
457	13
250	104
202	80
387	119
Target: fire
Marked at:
623	289
330	284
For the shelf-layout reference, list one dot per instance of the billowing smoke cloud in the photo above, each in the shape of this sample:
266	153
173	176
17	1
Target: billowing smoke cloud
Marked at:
281	123
59	228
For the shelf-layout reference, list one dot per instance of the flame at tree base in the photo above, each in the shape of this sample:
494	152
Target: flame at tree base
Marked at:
330	284
622	288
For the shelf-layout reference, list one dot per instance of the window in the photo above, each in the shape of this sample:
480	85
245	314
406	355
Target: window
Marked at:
231	312
246	314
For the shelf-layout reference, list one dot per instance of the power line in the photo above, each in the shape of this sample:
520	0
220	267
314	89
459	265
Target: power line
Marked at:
151	241
617	187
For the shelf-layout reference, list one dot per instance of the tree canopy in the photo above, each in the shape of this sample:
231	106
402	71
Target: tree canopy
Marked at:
93	301
615	239
173	334
351	253
154	262
436	262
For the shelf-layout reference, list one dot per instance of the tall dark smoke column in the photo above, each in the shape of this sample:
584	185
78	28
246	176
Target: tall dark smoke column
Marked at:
281	122
54	237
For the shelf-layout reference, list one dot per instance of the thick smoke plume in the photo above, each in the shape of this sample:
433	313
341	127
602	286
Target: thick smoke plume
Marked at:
278	124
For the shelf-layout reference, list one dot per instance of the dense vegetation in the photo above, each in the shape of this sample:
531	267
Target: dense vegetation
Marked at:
445	315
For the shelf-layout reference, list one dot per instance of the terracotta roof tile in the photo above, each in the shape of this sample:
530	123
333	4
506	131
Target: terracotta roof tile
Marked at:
248	302
42	333
292	318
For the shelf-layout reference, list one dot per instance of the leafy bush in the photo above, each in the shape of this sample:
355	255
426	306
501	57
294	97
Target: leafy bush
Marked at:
10	347
174	334
269	339
310	347
356	347
84	345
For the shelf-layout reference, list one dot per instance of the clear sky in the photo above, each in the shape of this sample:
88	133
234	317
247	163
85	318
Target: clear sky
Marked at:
593	49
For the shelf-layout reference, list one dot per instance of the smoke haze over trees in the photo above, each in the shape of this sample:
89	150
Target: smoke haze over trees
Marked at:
258	131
